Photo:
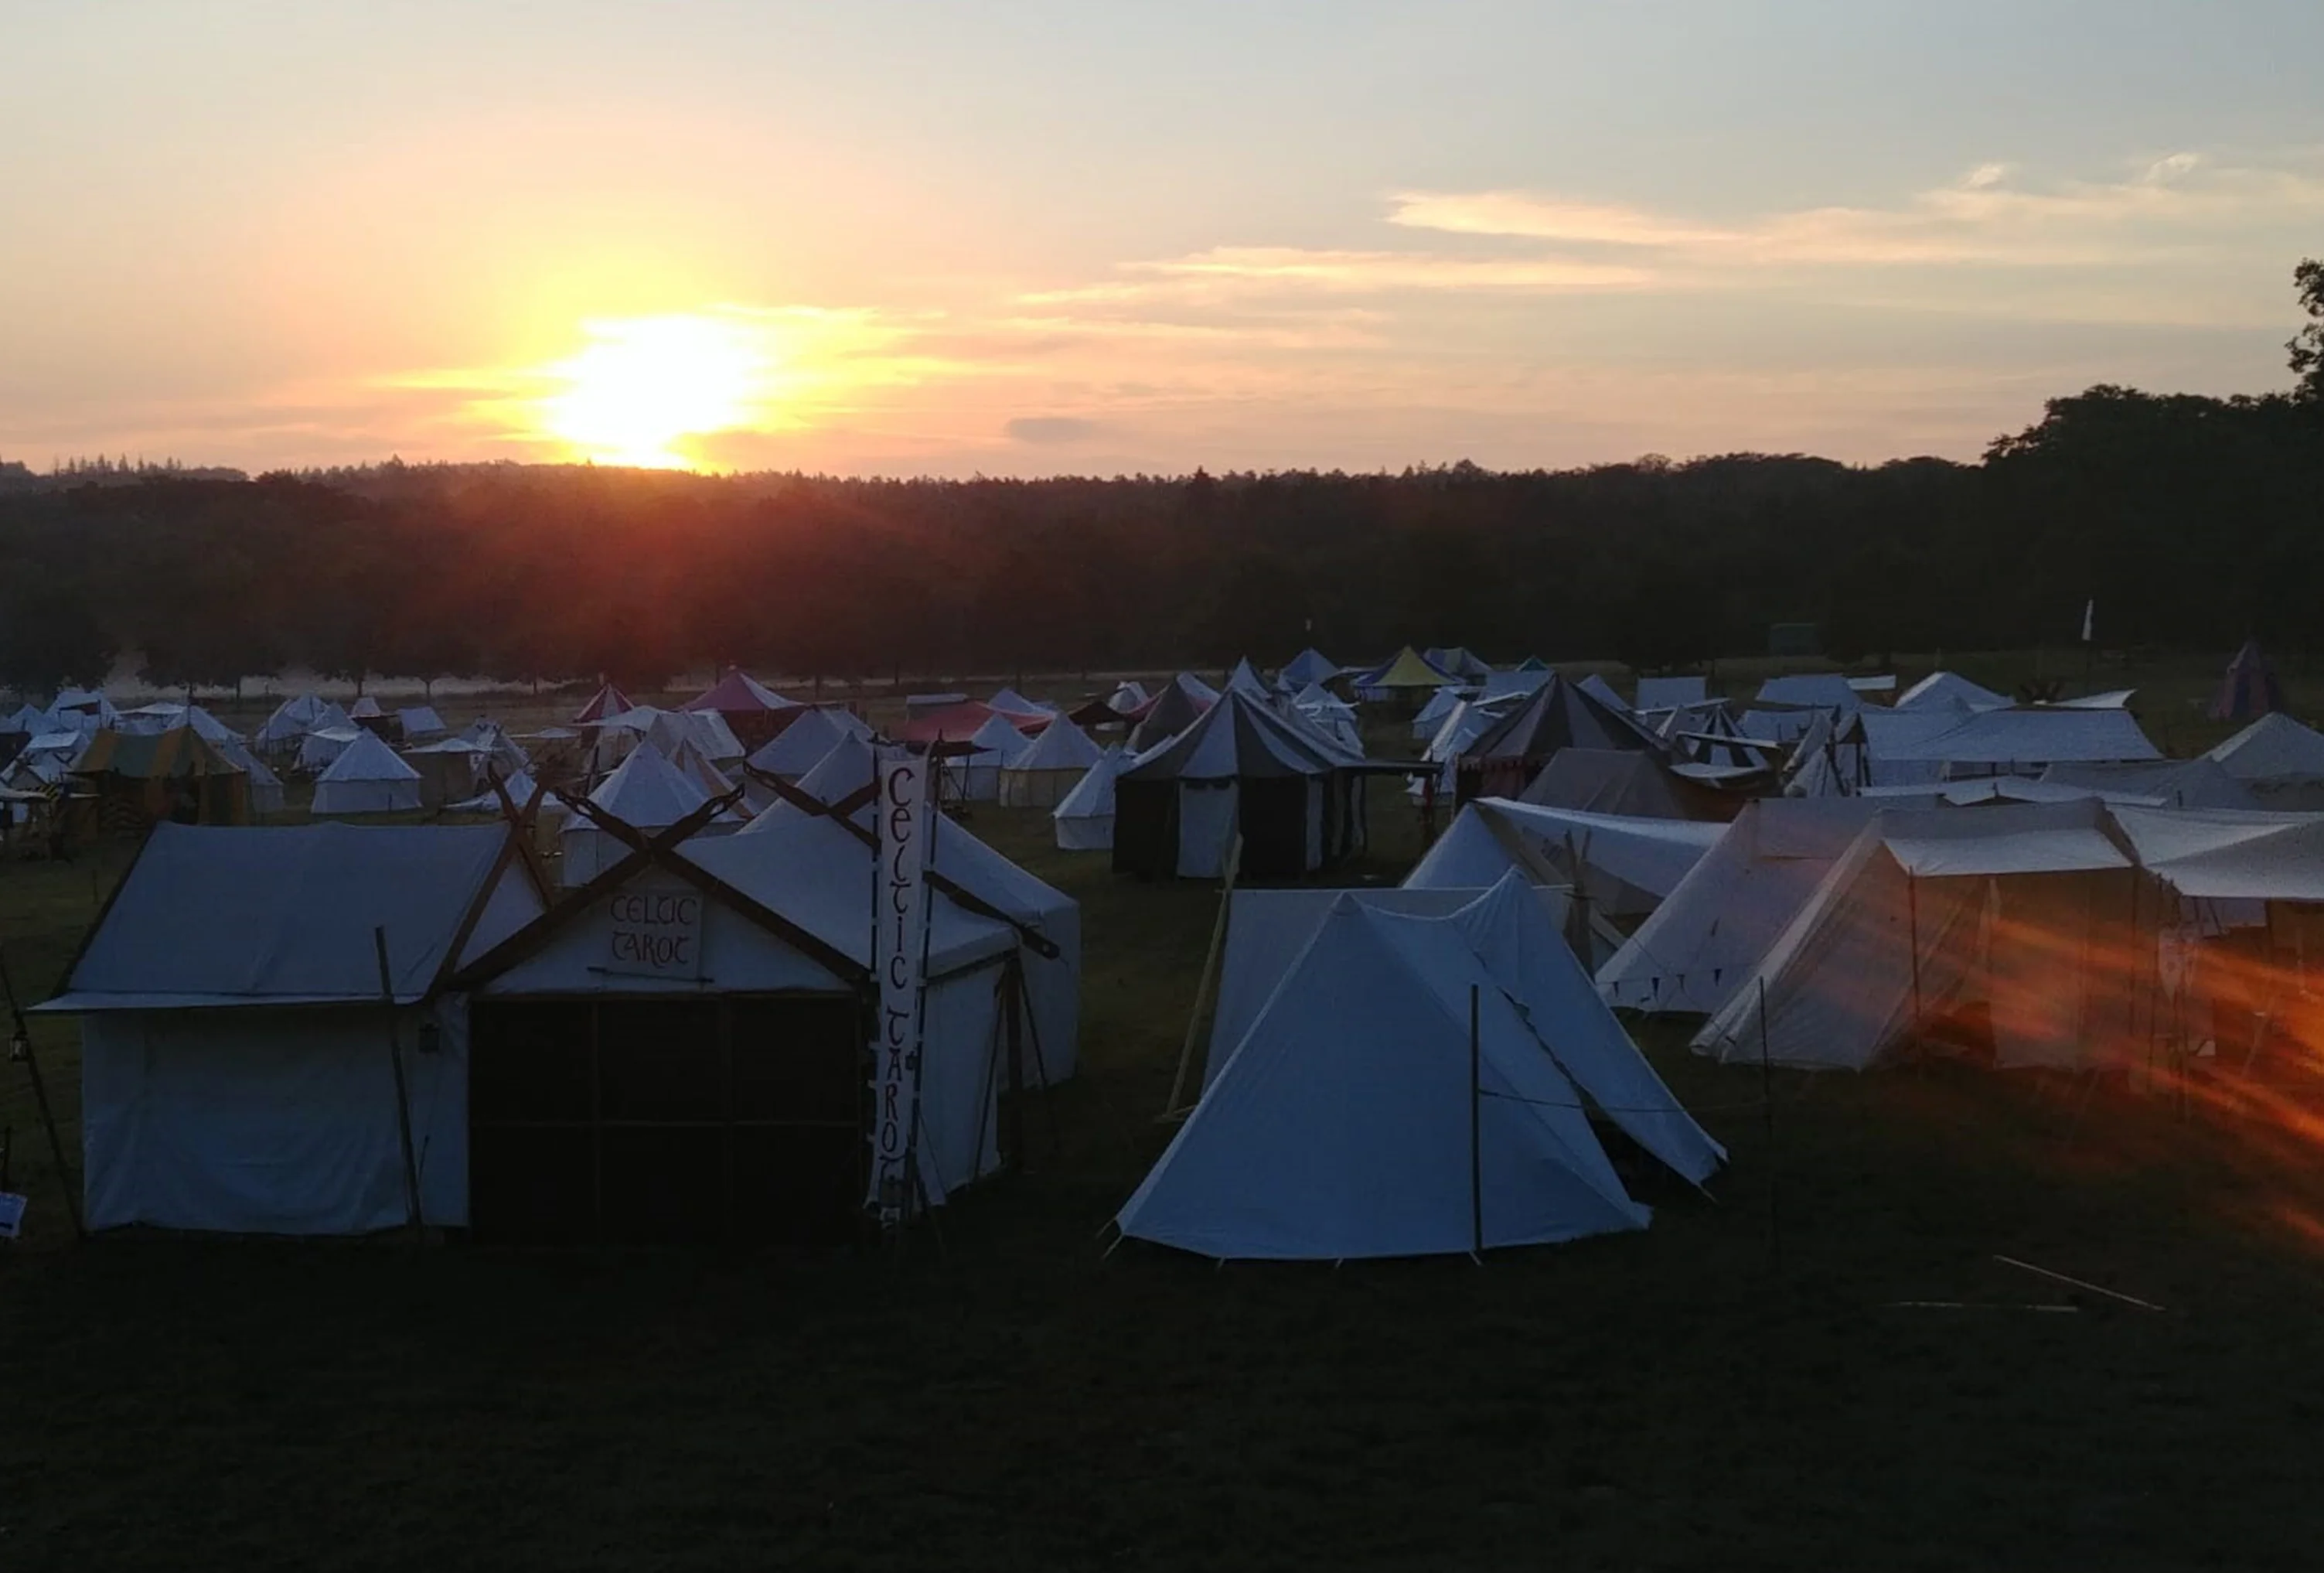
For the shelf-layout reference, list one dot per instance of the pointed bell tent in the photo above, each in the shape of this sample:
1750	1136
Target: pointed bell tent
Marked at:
1047	769
2250	688
604	705
1503	759
367	778
1289	791
1084	818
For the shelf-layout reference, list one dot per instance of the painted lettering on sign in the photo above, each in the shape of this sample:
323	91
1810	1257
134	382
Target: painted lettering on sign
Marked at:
900	922
655	933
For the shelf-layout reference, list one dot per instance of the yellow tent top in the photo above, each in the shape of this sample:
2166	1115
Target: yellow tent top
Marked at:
1407	671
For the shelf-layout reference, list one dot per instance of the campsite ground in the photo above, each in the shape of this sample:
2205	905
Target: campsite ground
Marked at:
1742	1385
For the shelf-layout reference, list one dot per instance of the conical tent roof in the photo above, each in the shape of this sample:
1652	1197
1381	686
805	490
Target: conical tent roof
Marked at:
1310	665
1532	664
1560	715
1062	745
738	693
1167	714
1093	796
1244	679
690	763
1008	701
607	702
1409	670
2250	686
1195	689
365	708
845	770
1347	1122
366	759
1607	781
798	747
1237	738
1599	690
647	791
998	735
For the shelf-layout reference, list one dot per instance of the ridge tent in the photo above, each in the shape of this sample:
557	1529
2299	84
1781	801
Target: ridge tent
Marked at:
2249	689
1614	781
1017	707
1405	673
141	779
296	716
448	770
2001	742
751	710
1355	1118
365	708
234	1067
1826	690
1695	948
1501	759
1429	719
1045	771
367	778
1624	866
1085	816
1290	791
318	750
28	719
1309	666
1946	690
2014	922
420	723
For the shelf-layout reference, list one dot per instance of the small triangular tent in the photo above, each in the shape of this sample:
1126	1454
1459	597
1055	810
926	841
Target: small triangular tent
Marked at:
1170	713
974	775
1046	769
2249	689
1610	780
1505	757
646	792
1349	1121
365	708
1281	784
843	771
604	705
1084	818
1011	703
366	778
420	723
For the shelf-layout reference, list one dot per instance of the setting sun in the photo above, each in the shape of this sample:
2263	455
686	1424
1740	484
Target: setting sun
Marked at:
643	385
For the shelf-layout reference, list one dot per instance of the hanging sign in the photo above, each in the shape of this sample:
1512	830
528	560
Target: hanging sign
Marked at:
899	923
655	932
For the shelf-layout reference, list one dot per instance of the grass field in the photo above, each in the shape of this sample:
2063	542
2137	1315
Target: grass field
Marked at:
1737	1387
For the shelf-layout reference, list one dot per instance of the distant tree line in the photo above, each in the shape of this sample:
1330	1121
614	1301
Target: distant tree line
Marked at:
2191	520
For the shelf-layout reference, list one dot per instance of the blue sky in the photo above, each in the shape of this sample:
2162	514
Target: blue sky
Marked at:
1023	237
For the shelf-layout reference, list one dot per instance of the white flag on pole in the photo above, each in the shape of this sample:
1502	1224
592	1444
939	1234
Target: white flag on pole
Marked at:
899	950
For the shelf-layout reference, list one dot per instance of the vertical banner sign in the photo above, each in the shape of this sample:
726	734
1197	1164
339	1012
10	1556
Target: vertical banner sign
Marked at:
900	922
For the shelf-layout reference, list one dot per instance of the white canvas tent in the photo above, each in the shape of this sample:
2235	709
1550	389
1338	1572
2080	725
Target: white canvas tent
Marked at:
2274	754
798	747
1624	866
646	792
1245	680
367	778
1355	1119
1085	816
2015	913
1243	769
235	1070
975	777
1046	769
420	723
320	749
843	773
1946	690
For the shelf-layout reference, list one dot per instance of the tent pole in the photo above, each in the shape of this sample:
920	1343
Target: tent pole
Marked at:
402	1098
21	1047
1476	1133
1912	924
1209	975
1014	1024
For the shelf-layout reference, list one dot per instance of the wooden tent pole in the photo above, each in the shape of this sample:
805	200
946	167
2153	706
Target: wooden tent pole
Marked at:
412	1215
1210	974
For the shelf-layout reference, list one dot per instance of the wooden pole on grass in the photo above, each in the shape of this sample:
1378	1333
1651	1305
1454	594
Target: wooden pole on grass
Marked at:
1209	975
403	1098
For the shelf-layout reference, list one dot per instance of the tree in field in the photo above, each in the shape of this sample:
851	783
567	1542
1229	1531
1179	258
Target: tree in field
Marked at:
2307	345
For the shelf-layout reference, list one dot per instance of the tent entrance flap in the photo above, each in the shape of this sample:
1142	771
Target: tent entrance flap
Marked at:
734	1120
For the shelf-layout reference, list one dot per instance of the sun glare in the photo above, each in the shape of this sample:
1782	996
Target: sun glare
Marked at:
643	385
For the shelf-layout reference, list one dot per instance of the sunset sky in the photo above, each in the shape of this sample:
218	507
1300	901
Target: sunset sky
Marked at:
1020	236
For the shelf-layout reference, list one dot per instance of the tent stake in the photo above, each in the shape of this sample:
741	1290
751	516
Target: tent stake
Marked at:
412	1212
1476	1133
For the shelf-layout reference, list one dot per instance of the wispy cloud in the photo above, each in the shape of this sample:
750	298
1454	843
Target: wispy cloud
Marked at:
1987	216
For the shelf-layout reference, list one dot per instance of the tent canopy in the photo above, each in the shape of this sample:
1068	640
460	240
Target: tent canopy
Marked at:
738	693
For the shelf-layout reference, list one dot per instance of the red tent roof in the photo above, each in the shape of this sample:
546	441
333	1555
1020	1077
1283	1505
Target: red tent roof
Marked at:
958	723
607	701
738	693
